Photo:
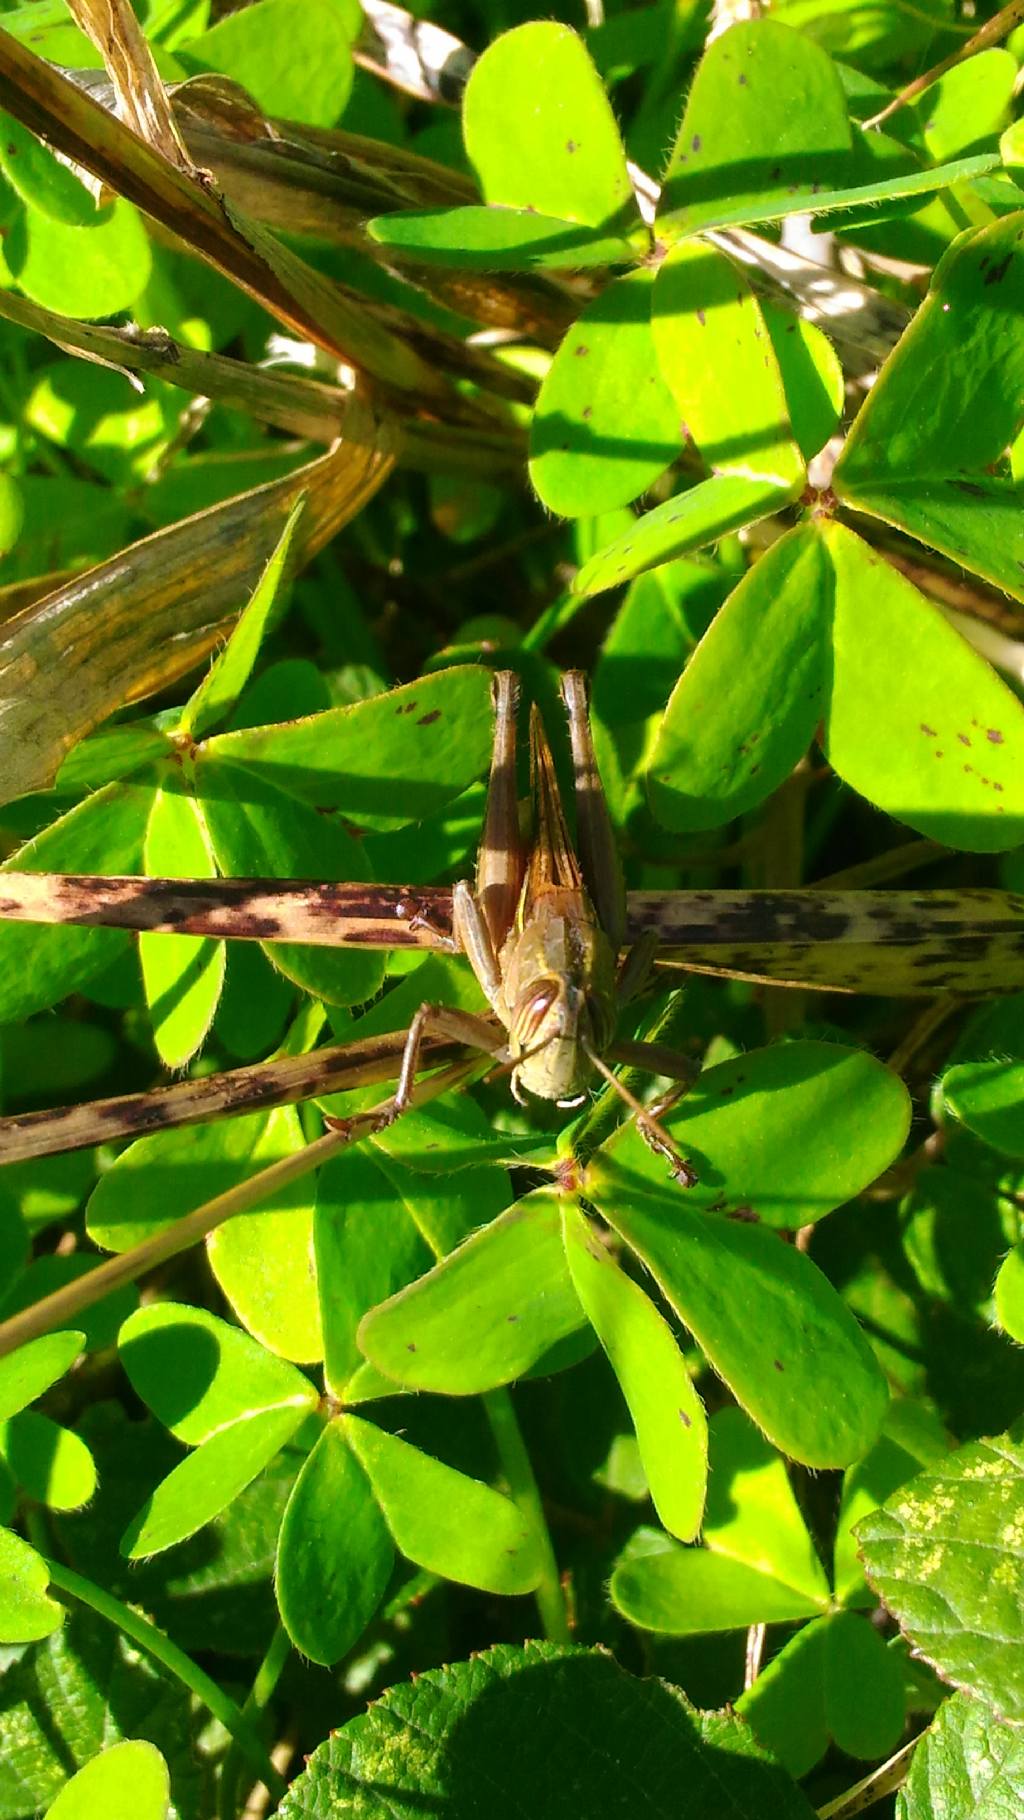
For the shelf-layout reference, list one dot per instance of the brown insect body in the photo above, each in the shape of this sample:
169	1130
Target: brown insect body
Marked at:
532	932
558	978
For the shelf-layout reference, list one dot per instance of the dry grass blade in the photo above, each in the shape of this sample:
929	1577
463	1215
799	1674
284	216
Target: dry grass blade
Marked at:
141	97
58	111
259	910
306	407
993	31
326	183
60	1308
281	1082
892	943
147	616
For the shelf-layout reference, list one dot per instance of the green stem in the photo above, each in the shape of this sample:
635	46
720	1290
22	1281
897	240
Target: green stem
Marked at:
515	1463
160	1647
258	1698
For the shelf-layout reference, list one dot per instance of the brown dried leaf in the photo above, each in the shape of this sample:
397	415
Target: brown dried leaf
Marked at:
73	123
136	623
142	100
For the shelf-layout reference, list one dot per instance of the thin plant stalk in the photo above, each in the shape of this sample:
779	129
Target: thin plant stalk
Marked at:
61	1308
515	1463
141	1631
256	1701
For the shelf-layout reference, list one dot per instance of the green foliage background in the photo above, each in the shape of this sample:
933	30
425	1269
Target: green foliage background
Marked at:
347	356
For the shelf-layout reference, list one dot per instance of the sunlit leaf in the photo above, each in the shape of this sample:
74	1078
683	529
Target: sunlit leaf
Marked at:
445	1521
207	1481
28	1372
484	1315
968	1766
944	1553
51	1465
200	1375
671	1427
311	83
93	270
718	361
127	1781
766	117
540	132
605	424
530	1723
26	1610
945	408
335	1554
182	974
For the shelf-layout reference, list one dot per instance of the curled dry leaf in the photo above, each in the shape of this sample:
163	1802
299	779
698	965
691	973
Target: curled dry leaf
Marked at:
142	100
150	614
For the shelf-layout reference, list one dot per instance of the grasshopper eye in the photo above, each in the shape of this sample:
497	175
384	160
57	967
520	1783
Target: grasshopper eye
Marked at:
532	1009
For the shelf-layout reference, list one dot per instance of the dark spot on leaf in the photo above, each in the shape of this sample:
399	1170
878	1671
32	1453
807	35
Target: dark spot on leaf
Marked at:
701	318
930	731
684	1418
511	1317
695	143
588	411
427	720
407	707
940	754
571	145
994	736
775	173
997	273
779	1366
580	348
742	80
411	1346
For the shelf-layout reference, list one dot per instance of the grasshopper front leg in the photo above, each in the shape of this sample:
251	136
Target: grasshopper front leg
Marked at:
481	920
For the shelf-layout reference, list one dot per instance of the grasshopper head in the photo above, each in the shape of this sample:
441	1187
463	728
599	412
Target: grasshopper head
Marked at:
556	1025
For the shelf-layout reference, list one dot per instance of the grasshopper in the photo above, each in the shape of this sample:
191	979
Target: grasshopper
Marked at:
543	931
